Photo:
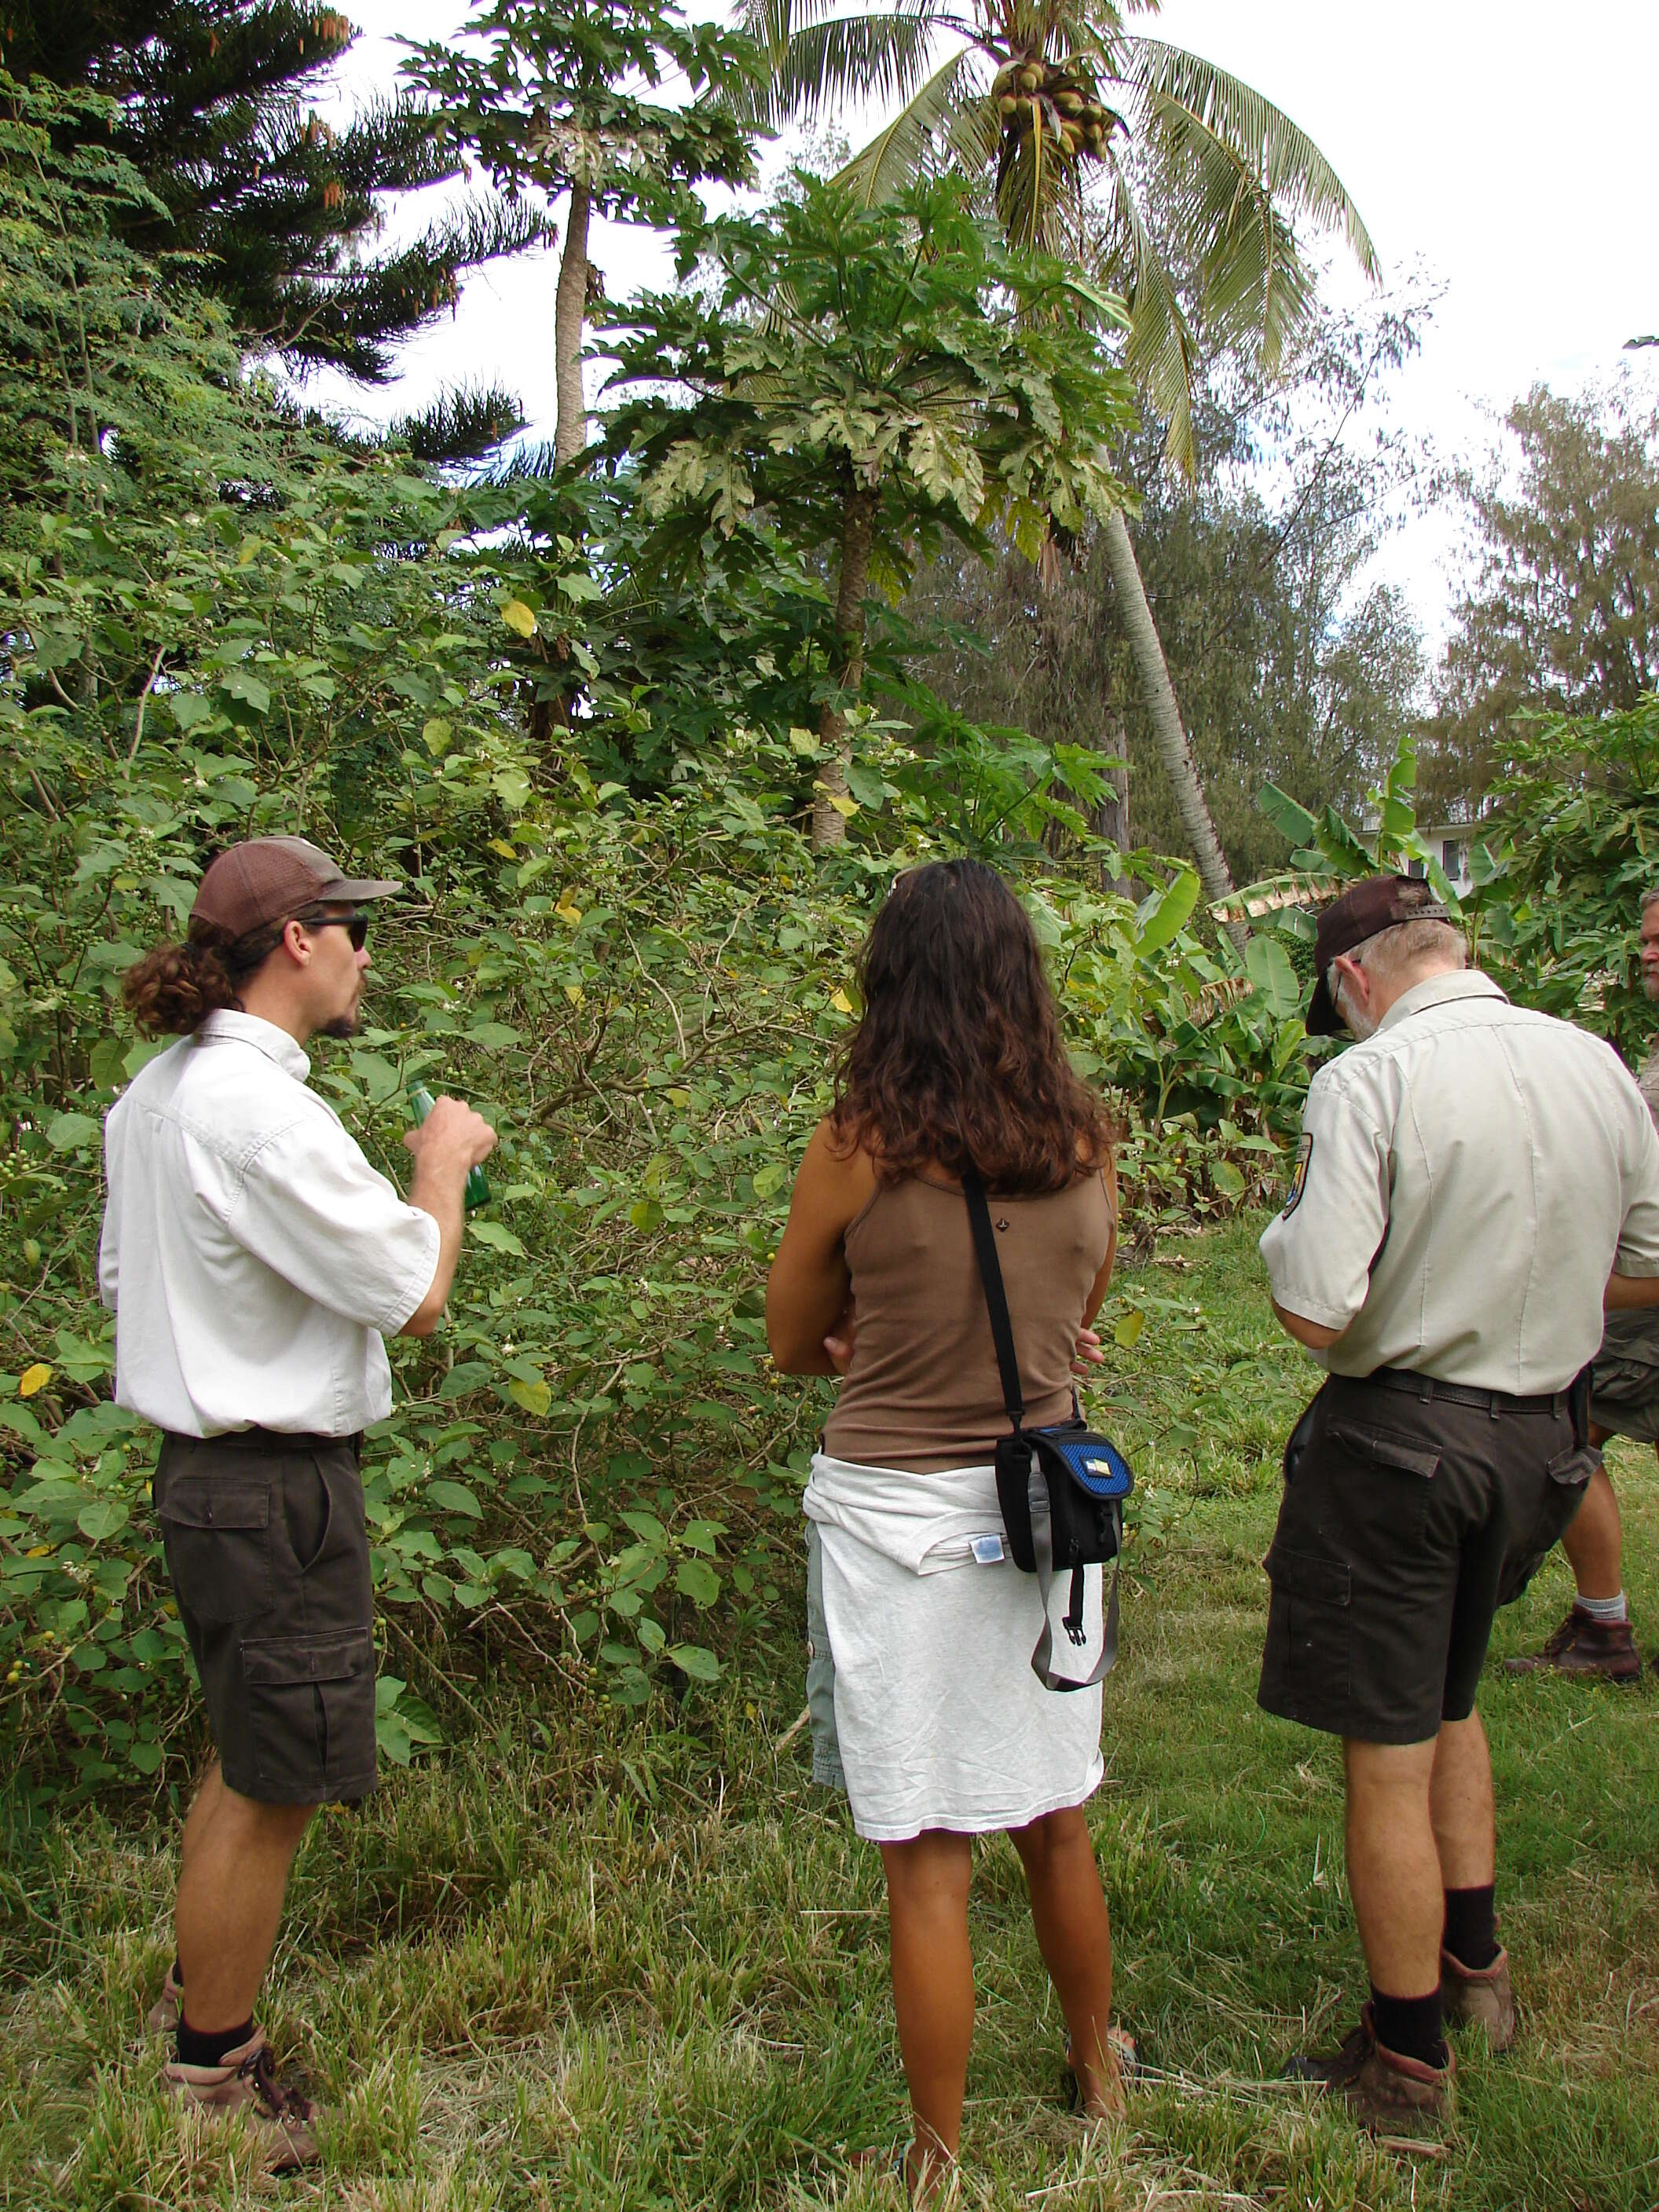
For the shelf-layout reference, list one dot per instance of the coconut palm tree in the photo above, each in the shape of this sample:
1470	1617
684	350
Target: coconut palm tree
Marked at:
1077	127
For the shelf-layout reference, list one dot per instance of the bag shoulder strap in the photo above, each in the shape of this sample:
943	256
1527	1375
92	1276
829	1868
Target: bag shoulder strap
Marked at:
996	1298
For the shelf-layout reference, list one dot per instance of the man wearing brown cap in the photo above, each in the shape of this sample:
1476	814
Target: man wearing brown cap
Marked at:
1474	1182
1595	1638
255	1260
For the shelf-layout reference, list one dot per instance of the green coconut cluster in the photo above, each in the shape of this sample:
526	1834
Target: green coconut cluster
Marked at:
1037	95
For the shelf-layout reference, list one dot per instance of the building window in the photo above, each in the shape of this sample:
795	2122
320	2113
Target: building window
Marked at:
1417	868
1451	857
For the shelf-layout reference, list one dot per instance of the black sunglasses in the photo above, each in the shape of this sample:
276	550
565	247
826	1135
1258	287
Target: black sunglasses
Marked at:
354	925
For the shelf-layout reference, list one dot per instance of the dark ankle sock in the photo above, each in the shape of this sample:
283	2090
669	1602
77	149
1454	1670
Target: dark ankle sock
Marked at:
177	1972
1471	1936
207	2048
1410	2026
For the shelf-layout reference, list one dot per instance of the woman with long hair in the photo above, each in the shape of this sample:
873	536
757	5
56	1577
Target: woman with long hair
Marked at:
941	1730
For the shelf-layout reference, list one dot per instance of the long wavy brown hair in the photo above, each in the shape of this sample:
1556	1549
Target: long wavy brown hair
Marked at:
175	987
957	1062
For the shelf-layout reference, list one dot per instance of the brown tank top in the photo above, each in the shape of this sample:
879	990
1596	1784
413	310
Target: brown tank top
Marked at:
923	1392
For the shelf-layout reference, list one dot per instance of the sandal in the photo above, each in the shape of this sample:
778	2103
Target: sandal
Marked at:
1123	2048
893	2162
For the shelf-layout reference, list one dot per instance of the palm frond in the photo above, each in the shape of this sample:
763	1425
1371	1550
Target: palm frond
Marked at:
1253	288
816	58
897	153
1160	354
1284	162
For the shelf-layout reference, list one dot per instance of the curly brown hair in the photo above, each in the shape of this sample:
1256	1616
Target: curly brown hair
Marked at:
957	1062
175	987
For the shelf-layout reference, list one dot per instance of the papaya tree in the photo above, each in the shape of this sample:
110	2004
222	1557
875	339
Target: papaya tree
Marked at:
554	98
863	377
1170	179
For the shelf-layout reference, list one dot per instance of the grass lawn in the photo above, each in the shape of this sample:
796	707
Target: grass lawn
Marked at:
590	1962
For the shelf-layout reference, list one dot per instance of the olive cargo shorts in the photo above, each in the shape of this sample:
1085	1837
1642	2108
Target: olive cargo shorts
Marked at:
267	1549
1405	1523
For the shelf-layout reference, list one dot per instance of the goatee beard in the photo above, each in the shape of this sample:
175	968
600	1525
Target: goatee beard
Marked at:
342	1027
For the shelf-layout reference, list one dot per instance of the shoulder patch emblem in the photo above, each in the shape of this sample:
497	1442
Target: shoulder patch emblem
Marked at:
1298	1175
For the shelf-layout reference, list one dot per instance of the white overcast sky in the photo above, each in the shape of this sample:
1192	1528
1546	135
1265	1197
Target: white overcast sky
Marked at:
1505	148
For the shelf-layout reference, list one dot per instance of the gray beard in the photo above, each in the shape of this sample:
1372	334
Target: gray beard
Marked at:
1361	1024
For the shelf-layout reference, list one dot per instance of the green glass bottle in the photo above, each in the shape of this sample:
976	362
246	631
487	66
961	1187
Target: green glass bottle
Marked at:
476	1194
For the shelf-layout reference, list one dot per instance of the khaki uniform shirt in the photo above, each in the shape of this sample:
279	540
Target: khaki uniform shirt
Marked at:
1633	1337
1648	1081
1467	1180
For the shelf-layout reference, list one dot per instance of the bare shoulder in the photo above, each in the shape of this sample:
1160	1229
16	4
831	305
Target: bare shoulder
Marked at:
836	1178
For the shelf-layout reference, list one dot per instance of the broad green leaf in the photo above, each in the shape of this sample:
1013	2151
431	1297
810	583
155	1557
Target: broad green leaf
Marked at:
693	1660
493	1234
455	1498
697	1580
67	1131
1160	918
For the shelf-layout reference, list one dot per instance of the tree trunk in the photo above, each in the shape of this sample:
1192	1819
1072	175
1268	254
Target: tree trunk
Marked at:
1112	816
1167	735
834	740
569	314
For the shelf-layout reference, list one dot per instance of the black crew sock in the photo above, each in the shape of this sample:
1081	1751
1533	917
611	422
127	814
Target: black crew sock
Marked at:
1471	1929
1410	2026
177	1972
207	2048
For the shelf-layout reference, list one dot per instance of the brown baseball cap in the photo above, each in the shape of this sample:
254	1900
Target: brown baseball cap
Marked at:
266	879
1378	903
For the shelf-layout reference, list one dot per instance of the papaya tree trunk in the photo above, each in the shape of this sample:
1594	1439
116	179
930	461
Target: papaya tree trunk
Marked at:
1167	734
569	315
835	738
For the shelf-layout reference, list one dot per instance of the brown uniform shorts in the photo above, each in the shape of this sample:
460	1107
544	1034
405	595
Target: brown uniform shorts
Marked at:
1625	1396
1407	1520
267	1548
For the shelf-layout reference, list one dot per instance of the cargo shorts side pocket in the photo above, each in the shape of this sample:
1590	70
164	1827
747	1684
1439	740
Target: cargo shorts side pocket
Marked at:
311	1715
1309	1626
215	1532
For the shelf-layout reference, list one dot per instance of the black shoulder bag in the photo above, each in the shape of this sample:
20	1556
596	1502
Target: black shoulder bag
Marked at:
1060	1488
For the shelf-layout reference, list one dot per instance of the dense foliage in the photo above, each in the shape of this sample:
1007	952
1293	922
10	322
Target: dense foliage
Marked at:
220	619
591	717
1562	611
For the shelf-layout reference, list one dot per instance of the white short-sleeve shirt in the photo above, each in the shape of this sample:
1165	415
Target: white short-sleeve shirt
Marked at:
1467	1180
253	1256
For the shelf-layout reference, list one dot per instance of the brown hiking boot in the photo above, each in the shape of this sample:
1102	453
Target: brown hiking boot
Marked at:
281	2119
1383	2088
1582	1646
164	2015
1480	1997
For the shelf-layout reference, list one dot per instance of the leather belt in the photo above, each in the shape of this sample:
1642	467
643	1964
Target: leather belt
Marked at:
1426	1387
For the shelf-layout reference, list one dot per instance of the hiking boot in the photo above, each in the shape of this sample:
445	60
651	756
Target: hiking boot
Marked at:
1582	1646
280	2118
1479	1996
1383	2088
164	2015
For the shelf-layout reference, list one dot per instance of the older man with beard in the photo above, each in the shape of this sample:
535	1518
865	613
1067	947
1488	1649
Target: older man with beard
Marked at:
1596	1637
